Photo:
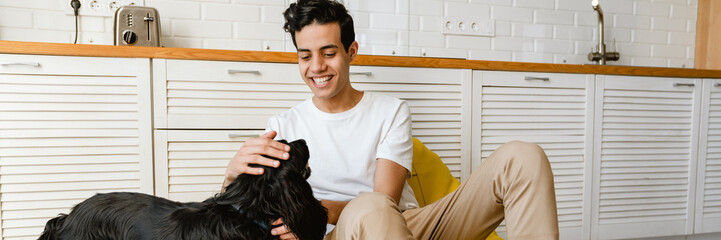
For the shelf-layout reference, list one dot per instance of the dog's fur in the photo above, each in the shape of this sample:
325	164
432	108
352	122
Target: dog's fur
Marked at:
244	211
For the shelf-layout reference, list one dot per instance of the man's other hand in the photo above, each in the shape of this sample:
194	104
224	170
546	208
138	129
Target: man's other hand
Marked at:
282	231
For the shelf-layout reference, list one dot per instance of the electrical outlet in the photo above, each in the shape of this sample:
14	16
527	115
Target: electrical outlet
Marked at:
468	26
113	5
87	8
103	8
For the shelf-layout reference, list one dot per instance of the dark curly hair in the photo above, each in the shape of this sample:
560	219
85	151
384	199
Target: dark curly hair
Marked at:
305	12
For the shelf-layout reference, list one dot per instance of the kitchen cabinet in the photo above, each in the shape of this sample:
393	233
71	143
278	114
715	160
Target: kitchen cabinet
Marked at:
70	127
552	110
645	146
440	102
190	164
708	191
207	95
631	156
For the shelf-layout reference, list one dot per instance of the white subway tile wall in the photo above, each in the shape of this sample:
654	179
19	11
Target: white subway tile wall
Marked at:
646	32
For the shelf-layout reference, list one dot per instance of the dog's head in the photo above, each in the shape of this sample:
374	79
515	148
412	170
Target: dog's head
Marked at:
296	163
281	192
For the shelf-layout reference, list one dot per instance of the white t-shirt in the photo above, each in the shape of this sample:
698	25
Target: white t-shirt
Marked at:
344	146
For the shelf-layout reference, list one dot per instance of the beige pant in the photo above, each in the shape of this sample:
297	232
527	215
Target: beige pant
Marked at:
514	183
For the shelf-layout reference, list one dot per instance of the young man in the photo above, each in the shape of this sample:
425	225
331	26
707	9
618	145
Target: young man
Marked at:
361	153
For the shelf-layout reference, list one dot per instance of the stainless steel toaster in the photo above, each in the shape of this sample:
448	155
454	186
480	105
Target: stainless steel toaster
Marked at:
137	26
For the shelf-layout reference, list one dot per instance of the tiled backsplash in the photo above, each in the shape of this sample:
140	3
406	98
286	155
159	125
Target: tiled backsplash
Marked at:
645	32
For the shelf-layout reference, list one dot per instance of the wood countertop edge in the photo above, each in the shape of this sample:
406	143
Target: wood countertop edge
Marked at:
65	49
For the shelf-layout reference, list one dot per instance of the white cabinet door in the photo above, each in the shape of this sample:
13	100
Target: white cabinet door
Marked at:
552	110
708	193
70	127
440	102
191	94
190	164
645	149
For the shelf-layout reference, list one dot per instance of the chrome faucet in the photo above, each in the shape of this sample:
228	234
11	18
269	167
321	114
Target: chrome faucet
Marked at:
601	56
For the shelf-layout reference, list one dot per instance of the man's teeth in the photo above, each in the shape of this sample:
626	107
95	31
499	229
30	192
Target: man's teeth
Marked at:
321	80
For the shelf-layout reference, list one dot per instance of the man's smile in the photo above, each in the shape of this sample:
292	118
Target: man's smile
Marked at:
321	81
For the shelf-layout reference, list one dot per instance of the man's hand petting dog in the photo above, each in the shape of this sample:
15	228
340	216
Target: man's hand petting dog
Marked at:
251	152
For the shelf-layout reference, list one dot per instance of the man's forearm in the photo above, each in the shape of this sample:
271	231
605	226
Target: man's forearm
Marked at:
390	178
334	209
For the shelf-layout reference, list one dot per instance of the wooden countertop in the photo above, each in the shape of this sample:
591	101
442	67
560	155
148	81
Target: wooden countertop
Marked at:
65	49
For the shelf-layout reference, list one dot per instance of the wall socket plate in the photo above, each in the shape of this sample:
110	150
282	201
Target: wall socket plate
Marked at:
103	8
468	26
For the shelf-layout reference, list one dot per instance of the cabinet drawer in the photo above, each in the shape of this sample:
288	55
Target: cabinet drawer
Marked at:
232	72
62	65
656	84
224	95
190	164
532	79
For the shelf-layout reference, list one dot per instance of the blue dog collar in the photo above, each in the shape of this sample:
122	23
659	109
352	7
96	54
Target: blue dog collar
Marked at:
262	224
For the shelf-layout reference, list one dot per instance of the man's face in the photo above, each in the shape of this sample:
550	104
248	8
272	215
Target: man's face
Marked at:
322	60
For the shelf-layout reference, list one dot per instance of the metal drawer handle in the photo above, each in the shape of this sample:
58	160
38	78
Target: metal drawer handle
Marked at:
683	84
233	71
31	64
362	73
545	79
233	135
717	84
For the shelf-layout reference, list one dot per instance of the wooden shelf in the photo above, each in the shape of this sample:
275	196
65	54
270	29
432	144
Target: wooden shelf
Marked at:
65	49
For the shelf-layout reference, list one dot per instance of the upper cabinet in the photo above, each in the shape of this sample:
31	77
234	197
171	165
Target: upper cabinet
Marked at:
645	148
552	110
70	127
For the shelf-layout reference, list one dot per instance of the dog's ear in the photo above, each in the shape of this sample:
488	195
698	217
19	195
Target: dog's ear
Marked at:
299	157
301	212
300	149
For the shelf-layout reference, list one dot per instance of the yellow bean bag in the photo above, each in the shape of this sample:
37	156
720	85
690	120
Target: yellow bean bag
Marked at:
431	179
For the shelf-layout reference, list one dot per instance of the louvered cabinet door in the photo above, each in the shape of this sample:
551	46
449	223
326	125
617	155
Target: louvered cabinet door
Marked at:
190	94
190	164
645	149
551	110
440	107
708	196
70	127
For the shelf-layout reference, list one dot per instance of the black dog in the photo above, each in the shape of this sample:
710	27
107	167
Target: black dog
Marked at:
244	211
